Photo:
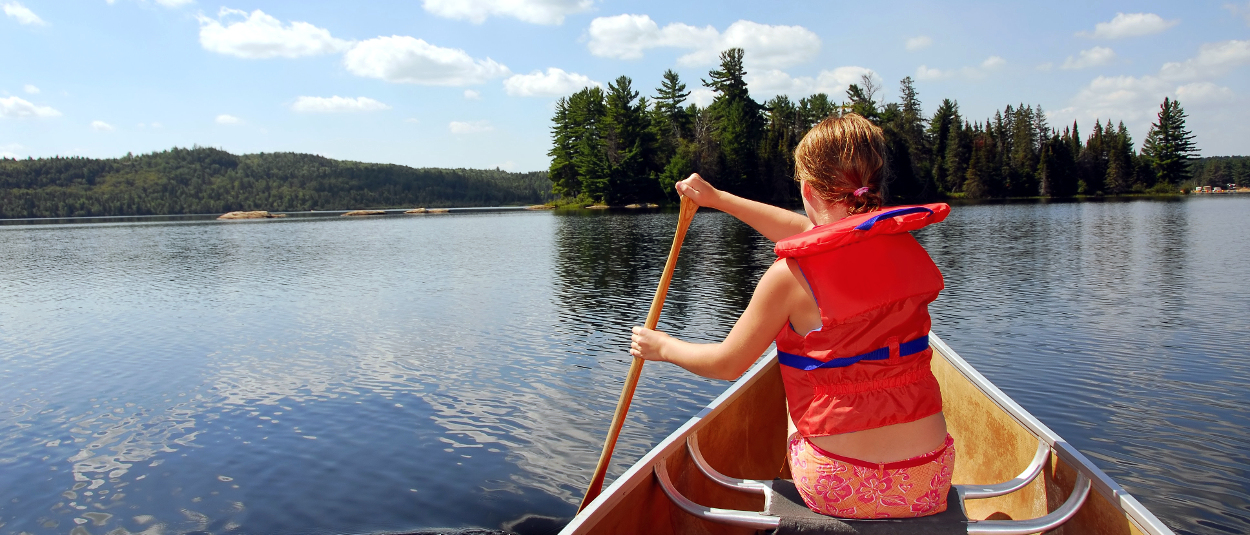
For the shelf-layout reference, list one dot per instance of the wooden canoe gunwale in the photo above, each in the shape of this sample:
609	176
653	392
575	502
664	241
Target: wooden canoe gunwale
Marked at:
642	472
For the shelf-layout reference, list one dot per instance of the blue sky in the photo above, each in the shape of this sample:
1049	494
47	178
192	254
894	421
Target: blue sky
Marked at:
472	83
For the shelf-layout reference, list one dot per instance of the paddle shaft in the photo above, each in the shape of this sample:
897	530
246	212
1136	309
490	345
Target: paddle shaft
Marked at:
688	208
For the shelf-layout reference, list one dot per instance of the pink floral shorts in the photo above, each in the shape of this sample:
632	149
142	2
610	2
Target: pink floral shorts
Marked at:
850	488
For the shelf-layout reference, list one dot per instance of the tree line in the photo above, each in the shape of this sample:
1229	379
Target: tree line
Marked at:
206	180
614	146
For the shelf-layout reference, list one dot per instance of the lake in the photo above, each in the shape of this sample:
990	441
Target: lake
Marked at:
407	373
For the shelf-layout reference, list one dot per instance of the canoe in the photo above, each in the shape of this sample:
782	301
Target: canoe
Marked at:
1013	473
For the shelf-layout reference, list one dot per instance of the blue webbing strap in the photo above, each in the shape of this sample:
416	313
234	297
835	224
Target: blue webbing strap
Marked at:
910	347
868	223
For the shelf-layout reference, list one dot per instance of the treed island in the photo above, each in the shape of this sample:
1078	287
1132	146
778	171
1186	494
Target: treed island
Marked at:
615	147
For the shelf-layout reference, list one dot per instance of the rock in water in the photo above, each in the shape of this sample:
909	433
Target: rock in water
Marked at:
258	214
365	212
416	211
439	210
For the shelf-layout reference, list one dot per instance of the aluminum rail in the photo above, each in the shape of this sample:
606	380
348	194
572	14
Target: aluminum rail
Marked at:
1051	521
755	520
746	519
970	492
745	485
973	492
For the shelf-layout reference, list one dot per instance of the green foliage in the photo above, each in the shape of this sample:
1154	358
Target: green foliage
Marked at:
1170	146
635	150
205	180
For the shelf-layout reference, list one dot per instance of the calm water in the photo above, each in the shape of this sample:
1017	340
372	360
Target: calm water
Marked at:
404	373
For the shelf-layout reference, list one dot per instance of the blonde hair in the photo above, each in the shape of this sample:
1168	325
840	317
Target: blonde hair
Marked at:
840	156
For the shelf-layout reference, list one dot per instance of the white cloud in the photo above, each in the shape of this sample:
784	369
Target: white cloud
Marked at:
766	84
1213	59
1089	58
157	125
1130	25
12	150
336	104
228	119
1202	93
462	127
702	96
16	108
23	14
403	59
101	126
920	42
412	120
535	11
1046	66
30	89
174	3
772	47
923	72
1240	11
1135	100
472	94
554	83
259	36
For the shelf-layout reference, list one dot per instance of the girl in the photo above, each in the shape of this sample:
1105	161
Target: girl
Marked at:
847	305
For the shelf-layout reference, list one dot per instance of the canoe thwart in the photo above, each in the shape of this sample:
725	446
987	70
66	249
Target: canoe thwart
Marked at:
757	520
972	492
746	519
1051	521
745	485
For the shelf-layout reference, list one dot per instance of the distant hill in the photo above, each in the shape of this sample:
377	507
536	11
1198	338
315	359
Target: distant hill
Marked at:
205	180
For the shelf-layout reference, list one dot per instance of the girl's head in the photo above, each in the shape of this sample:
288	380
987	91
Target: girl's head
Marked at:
842	160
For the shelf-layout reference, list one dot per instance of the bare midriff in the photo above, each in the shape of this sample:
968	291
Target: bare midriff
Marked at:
885	444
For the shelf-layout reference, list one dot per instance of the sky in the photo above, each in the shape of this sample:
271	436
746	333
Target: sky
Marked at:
473	83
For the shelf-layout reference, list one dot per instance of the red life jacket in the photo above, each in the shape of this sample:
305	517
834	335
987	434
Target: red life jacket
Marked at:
868	364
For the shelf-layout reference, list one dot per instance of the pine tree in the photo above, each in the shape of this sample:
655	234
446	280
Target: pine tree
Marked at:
738	127
562	173
958	154
944	119
1120	172
668	103
1169	145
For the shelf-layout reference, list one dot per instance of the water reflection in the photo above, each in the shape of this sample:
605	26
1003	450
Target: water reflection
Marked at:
403	373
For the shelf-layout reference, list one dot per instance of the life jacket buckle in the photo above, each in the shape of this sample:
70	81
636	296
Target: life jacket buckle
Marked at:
892	343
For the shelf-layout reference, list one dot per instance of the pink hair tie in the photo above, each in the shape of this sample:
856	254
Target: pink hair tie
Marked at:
861	191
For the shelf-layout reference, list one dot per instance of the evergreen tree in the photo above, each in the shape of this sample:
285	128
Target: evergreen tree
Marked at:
815	109
1120	171
738	127
944	119
668	105
958	154
630	146
563	174
1169	145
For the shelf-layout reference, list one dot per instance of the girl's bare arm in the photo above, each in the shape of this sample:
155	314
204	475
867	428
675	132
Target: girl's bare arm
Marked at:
773	222
764	317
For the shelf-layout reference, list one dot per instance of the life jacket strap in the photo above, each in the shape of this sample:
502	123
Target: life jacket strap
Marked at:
868	223
907	348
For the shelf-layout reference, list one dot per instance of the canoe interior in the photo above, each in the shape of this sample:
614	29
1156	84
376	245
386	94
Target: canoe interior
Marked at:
743	435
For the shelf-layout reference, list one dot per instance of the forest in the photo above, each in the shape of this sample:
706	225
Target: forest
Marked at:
203	180
613	146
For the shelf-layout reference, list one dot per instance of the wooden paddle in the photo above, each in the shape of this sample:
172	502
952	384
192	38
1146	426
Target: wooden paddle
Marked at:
688	208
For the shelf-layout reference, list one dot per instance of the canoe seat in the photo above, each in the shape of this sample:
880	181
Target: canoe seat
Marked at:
785	512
